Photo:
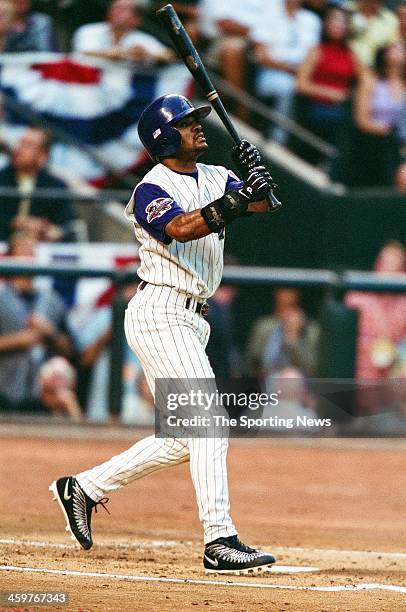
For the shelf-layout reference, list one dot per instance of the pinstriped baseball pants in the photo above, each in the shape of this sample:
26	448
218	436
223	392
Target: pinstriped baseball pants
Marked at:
170	342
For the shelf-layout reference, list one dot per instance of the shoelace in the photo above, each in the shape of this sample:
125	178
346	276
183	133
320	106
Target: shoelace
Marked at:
102	502
243	547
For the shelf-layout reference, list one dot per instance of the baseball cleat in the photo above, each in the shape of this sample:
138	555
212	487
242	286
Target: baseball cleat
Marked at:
230	556
77	509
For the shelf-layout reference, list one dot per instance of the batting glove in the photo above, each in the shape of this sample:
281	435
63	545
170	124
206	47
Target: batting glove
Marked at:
271	182
256	185
246	156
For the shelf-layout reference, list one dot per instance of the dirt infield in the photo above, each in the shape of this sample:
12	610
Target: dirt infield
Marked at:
338	510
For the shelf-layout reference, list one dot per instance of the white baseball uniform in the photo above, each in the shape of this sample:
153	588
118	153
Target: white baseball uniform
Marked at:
169	336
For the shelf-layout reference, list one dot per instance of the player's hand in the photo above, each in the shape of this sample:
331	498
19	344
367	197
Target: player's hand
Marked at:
271	182
256	185
246	156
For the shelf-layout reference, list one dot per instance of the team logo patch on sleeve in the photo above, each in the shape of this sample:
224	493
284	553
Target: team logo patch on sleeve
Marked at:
157	208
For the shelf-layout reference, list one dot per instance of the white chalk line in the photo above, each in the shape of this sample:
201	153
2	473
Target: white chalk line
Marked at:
338	551
275	569
132	546
171	543
229	583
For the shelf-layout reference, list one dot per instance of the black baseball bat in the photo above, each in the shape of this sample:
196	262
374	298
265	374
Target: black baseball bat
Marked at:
193	62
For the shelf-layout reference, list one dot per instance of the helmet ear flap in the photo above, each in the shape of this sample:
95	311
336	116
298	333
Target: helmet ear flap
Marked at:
168	141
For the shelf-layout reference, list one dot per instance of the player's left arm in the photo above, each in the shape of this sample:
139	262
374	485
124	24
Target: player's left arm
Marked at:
191	226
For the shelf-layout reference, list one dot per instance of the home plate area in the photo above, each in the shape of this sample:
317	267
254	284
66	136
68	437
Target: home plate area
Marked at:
176	564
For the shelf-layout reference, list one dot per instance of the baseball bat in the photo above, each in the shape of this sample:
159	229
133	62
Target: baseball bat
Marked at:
187	52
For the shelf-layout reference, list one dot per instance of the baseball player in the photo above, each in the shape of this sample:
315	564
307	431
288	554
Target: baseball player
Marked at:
179	211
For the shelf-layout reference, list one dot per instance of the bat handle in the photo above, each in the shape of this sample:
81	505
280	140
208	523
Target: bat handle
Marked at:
273	202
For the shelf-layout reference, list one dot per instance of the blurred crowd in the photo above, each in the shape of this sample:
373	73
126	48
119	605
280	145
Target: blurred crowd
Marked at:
50	363
337	68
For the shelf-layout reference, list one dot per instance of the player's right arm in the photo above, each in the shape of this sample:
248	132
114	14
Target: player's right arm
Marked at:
189	226
162	217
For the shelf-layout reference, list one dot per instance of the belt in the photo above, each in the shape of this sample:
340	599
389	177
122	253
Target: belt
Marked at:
200	308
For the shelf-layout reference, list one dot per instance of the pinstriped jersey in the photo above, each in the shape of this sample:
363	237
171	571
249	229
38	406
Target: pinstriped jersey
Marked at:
194	267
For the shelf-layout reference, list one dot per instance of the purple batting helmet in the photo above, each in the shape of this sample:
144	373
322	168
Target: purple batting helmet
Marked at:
155	127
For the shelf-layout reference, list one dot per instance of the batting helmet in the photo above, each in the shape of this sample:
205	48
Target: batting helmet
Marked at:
155	125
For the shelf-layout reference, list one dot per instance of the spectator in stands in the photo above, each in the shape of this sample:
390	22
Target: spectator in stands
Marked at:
282	40
226	28
378	104
119	37
32	331
57	382
400	179
222	349
6	22
32	31
295	398
382	318
93	343
326	77
286	338
50	220
372	26
188	11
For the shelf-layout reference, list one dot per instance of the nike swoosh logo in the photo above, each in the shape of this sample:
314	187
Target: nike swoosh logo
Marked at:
65	493
214	562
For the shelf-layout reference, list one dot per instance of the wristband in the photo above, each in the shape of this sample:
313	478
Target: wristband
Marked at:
221	212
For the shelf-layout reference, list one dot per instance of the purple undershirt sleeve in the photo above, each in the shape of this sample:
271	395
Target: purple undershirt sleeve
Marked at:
153	209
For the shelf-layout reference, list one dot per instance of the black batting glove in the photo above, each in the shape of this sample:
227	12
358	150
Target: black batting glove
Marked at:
256	186
271	182
246	156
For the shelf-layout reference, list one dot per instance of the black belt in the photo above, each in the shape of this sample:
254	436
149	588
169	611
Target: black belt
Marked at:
197	307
